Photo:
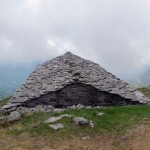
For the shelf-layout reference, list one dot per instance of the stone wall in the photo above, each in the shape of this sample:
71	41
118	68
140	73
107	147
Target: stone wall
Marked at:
78	93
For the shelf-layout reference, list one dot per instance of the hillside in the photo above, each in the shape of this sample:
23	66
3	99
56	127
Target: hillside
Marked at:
142	80
145	79
11	77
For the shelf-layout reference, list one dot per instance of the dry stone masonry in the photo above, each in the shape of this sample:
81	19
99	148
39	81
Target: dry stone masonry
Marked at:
70	80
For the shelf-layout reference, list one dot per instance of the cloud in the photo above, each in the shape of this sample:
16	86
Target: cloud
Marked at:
115	34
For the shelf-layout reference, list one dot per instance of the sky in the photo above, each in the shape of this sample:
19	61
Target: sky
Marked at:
113	33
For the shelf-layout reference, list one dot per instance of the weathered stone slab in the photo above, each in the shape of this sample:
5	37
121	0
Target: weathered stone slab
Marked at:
100	114
57	126
54	119
14	116
80	121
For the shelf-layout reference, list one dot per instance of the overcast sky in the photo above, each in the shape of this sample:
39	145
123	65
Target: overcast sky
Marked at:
113	33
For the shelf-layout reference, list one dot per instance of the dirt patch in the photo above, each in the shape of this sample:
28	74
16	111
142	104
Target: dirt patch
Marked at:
135	139
26	142
98	143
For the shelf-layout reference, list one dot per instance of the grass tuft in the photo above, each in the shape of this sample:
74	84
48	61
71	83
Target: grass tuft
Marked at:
5	123
4	101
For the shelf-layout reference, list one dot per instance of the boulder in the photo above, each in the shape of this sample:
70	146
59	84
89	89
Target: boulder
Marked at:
14	116
87	137
80	121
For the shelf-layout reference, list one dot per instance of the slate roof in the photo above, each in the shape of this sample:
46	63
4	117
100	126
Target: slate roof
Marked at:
69	68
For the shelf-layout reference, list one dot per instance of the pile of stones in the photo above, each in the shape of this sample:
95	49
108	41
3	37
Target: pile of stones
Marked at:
54	82
81	121
16	114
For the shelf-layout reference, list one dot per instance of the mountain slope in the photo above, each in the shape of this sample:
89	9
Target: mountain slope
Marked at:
12	76
145	79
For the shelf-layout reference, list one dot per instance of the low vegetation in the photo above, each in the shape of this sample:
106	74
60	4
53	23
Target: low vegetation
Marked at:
4	101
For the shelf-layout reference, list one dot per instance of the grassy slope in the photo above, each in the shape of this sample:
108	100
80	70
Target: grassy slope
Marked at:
116	119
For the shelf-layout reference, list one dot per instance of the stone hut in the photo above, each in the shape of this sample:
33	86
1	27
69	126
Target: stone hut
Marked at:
70	80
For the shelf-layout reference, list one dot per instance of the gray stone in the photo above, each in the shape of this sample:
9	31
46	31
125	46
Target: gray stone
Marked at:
57	126
72	107
88	107
87	137
9	105
50	107
11	109
54	119
91	124
58	110
80	106
100	114
14	116
80	121
21	110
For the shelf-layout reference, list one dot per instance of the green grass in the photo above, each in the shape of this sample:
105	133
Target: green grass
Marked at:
4	101
116	120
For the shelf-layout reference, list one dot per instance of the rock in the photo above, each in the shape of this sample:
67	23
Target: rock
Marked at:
72	107
49	108
21	110
11	129
100	114
86	137
14	116
98	107
80	121
88	107
91	124
80	106
57	126
32	109
54	119
58	110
